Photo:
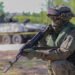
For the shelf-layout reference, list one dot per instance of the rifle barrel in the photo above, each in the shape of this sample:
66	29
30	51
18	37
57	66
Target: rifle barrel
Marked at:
11	64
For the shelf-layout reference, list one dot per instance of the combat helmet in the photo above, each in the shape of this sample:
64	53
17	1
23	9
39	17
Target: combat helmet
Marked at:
63	11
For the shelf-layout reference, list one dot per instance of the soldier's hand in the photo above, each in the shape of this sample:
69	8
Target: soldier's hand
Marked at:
29	53
25	52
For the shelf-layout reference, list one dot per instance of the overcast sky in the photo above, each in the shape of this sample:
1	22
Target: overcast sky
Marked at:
23	5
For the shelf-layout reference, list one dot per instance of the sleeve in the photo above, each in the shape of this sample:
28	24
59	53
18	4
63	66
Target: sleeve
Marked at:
66	48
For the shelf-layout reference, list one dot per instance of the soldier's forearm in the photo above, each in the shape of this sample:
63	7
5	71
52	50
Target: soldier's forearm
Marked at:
42	55
50	55
45	55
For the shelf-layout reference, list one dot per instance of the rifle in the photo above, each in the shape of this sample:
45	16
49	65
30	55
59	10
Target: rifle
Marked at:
29	45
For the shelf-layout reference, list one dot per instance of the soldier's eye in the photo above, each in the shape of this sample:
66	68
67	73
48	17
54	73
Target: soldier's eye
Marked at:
55	18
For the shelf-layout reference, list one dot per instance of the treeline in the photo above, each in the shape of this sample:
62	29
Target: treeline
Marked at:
34	17
40	17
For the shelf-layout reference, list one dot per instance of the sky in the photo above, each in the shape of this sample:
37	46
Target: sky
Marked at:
24	5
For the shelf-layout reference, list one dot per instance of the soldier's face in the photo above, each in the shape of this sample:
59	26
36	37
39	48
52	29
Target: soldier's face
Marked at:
55	19
56	22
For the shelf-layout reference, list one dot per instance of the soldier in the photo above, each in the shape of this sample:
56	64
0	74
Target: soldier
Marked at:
61	59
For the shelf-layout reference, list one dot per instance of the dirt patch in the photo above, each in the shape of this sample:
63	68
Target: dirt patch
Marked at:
23	66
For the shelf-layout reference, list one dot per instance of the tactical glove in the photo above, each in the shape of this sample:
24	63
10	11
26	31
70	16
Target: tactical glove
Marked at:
29	53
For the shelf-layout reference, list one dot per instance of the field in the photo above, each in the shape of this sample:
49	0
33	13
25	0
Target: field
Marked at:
23	66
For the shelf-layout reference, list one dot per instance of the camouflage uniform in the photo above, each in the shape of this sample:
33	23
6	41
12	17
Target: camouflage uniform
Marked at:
65	41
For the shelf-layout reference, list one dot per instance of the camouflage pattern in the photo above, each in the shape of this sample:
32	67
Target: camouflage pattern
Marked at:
66	42
61	67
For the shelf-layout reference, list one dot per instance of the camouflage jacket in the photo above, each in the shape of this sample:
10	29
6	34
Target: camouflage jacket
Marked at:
64	41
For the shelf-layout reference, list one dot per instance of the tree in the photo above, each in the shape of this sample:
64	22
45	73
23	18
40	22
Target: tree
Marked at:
1	8
72	4
2	15
58	2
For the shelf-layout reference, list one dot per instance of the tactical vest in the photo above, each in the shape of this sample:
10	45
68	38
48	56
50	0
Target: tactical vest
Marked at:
71	58
59	39
55	40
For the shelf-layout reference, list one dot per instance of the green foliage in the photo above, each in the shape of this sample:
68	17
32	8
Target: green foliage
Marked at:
42	16
20	18
73	20
72	5
1	8
58	2
34	17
